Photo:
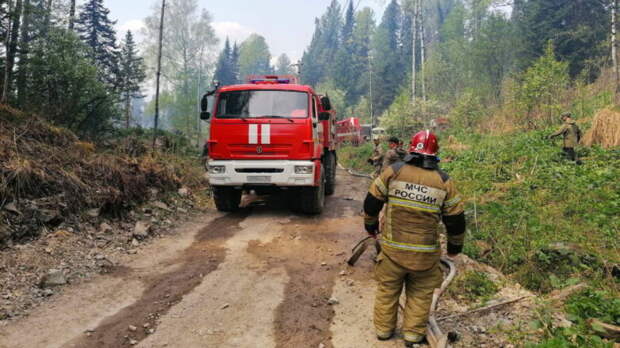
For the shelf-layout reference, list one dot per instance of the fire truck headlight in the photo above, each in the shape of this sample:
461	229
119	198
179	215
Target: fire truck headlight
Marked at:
217	169
304	169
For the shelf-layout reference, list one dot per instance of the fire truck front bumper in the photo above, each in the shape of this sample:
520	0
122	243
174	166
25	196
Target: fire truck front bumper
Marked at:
261	173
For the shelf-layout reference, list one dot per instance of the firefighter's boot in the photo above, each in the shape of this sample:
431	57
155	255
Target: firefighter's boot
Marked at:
412	339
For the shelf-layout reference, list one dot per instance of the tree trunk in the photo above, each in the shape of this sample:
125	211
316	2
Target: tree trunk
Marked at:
422	51
48	17
614	48
157	78
72	15
414	27
128	110
11	51
23	54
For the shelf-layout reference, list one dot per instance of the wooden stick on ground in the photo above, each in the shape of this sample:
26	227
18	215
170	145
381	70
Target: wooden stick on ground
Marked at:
485	308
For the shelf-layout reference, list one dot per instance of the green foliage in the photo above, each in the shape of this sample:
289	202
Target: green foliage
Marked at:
65	86
319	56
188	39
336	96
254	57
225	69
542	82
473	286
579	30
579	307
283	66
468	111
593	304
403	119
527	197
356	157
97	32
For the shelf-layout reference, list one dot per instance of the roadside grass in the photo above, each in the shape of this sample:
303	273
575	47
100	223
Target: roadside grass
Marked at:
355	157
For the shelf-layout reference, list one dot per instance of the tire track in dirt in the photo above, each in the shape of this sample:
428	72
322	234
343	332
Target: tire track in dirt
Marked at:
313	264
165	290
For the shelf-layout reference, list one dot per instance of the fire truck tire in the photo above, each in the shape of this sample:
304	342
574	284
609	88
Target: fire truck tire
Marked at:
226	199
312	199
330	170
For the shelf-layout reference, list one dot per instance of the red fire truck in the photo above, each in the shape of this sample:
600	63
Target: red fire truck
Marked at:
267	135
349	131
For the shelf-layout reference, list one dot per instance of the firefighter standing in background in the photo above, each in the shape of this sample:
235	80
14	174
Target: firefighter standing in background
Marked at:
571	134
376	159
394	154
418	196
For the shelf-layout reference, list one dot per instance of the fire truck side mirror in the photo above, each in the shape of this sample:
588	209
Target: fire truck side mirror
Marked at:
204	106
327	105
324	116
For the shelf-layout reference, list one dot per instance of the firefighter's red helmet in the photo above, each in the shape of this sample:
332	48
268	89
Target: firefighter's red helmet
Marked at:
424	143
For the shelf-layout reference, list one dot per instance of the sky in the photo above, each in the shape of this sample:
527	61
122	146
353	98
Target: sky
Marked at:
287	25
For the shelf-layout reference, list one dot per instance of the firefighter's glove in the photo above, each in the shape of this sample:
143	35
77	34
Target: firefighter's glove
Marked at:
372	229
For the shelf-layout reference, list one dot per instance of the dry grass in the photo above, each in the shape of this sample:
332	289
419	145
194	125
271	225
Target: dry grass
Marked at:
605	130
46	167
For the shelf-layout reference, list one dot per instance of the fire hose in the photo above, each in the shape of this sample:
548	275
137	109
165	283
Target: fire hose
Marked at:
435	337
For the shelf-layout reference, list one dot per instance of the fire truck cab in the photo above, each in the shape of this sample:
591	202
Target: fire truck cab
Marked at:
267	135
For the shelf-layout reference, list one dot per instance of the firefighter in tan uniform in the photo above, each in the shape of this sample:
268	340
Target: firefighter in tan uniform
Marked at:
376	160
418	196
571	134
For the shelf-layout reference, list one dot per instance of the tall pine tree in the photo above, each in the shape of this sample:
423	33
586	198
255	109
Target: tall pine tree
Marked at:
131	75
577	28
234	63
96	30
224	69
342	70
387	63
319	57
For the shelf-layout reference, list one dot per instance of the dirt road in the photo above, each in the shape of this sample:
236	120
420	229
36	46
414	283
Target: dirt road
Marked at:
263	277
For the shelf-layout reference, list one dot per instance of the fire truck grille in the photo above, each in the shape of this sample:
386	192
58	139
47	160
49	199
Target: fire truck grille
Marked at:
259	170
280	150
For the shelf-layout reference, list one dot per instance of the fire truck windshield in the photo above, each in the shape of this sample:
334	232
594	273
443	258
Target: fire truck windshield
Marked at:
263	104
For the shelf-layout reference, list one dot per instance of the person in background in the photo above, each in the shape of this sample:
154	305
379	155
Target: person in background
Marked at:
395	153
571	134
376	160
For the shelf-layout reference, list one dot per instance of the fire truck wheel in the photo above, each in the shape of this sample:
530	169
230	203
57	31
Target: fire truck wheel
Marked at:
313	198
226	198
330	170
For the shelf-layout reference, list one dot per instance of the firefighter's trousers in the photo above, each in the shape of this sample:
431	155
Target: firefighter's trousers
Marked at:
419	287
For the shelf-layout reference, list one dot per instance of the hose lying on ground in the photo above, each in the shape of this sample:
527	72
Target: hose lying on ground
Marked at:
435	337
351	172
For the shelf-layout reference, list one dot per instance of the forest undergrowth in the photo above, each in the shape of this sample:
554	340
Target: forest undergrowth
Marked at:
540	219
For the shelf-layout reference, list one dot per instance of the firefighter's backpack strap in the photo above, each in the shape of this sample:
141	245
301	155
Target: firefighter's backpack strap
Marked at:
396	167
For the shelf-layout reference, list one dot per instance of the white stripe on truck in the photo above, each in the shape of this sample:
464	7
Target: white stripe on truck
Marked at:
265	135
253	134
